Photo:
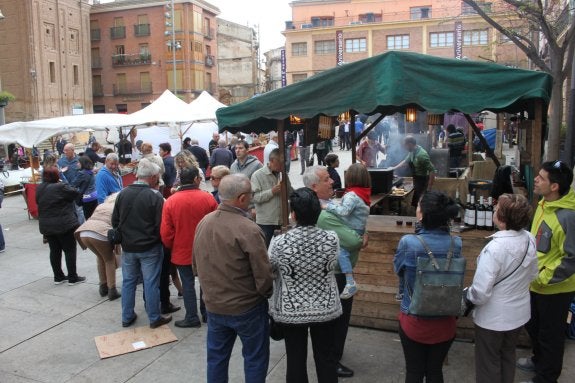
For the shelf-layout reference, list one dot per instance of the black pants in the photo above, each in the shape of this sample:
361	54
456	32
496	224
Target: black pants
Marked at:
342	323
322	339
419	187
495	355
423	361
165	278
269	232
67	243
546	329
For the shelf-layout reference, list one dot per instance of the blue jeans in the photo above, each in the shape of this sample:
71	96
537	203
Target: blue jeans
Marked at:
344	261
253	329
148	265
189	291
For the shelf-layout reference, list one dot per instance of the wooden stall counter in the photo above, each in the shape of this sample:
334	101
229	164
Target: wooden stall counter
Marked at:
375	305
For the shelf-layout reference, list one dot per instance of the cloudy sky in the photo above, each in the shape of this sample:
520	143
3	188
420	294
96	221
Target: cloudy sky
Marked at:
269	15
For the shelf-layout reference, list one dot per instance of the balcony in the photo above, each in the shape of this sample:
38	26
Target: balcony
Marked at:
210	60
141	30
131	60
96	63
118	32
95	34
129	90
209	33
97	90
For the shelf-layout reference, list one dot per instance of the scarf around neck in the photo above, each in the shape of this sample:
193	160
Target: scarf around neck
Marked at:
361	192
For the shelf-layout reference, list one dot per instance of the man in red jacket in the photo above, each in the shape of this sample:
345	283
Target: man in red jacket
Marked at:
181	214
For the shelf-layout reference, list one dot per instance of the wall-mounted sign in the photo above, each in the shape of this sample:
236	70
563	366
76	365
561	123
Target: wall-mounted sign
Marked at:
458	46
284	73
339	47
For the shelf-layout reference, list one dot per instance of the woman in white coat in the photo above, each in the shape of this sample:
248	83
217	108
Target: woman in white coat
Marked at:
500	290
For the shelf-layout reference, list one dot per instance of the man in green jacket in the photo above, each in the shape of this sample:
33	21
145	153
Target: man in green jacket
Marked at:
317	178
554	288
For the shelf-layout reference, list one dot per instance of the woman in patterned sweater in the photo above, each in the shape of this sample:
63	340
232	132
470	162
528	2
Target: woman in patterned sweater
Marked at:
305	292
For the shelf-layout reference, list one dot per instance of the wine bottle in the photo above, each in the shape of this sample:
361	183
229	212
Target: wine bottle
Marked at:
480	214
466	211
472	213
489	214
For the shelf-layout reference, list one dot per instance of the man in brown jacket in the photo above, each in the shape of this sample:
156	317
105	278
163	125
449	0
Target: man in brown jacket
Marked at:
230	257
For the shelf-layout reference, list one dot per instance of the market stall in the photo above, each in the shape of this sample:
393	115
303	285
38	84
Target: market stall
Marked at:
401	82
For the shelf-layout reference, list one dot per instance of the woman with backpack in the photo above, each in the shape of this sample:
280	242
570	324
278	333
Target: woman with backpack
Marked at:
426	339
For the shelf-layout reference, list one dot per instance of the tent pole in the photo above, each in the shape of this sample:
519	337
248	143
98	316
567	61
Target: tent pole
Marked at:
536	138
284	188
352	114
488	149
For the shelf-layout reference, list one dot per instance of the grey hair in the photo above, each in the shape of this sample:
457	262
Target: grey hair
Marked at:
146	169
310	176
194	142
112	157
233	185
222	143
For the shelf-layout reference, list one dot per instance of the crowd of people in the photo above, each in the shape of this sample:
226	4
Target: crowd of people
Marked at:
166	225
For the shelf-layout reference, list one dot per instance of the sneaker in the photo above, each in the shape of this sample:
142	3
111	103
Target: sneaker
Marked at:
348	291
525	364
160	322
59	281
75	281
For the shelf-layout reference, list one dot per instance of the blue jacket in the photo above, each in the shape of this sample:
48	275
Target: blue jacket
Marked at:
409	249
72	165
107	183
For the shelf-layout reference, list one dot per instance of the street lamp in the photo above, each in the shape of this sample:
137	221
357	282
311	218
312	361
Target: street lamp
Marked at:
170	21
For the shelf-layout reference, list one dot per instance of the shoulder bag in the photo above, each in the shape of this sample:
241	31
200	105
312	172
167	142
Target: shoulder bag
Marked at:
115	234
438	284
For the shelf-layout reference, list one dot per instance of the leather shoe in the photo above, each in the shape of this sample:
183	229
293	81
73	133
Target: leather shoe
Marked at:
343	371
160	322
130	322
187	324
170	309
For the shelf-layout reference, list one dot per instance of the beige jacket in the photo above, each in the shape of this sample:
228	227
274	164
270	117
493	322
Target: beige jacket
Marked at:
100	221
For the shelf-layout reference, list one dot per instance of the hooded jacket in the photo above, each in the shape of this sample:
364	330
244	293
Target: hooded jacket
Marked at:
249	167
555	249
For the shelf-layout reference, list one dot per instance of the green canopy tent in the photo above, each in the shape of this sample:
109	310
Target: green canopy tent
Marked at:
391	82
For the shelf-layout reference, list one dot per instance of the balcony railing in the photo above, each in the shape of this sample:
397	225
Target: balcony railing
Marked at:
126	90
95	34
141	30
118	32
131	59
210	60
97	90
96	63
209	33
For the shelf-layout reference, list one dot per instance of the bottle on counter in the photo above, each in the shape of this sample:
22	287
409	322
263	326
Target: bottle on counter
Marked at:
489	215
480	214
466	211
460	206
472	213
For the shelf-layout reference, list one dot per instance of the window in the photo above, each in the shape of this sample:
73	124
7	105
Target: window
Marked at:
74	42
210	87
299	49
297	77
370	18
96	61
178	45
76	75
97	88
122	108
440	39
355	45
145	82
475	37
178	20
324	47
144	50
94	30
398	42
503	39
198	79
418	13
52	72
118	31
321	21
49	36
143	26
198	22
179	79
99	108
121	83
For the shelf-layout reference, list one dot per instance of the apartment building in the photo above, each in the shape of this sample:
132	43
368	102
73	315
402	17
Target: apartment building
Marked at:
45	58
139	48
238	63
274	68
326	33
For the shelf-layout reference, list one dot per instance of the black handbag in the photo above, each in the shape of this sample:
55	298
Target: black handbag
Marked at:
276	330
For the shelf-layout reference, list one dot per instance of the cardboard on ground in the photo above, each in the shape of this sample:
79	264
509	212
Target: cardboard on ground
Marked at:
136	339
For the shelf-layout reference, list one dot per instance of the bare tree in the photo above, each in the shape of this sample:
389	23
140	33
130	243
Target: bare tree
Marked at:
545	32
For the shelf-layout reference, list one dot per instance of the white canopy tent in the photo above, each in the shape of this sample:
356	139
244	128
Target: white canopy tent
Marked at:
32	133
166	109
